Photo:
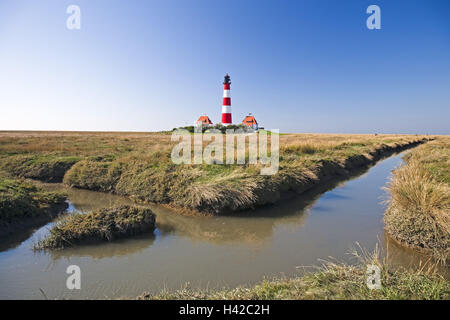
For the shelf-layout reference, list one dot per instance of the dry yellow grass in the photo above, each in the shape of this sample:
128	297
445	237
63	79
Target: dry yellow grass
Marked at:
98	143
419	210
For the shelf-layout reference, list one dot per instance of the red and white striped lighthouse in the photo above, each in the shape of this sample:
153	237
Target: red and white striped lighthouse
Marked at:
226	105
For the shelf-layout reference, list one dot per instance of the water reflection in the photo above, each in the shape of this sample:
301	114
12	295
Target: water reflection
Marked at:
85	200
15	240
118	248
399	256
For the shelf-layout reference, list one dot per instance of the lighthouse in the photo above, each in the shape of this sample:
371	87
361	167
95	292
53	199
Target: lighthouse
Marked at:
226	105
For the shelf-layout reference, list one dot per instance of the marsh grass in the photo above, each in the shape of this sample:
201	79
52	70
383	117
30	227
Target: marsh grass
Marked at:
138	165
418	214
20	199
48	168
104	224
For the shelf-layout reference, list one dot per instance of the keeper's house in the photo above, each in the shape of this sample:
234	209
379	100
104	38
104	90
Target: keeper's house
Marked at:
204	121
250	121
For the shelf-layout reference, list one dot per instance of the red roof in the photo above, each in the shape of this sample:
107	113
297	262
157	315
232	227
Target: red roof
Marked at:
249	121
204	120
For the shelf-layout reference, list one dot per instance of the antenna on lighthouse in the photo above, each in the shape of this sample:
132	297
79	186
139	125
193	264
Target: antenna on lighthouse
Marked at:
226	105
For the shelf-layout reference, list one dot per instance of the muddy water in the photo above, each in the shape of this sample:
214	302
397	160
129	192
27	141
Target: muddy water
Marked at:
208	251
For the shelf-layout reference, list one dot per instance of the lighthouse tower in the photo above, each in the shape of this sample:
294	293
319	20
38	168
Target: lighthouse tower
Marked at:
226	105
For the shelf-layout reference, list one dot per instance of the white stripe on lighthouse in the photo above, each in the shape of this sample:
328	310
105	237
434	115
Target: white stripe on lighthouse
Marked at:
226	94
226	109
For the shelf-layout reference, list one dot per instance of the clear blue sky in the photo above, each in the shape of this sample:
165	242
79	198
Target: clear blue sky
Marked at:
299	66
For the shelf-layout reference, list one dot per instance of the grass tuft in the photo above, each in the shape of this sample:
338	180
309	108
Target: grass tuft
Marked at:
418	214
104	224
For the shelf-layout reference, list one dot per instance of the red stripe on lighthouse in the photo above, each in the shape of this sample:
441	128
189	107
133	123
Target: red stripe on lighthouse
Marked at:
226	86
226	118
226	102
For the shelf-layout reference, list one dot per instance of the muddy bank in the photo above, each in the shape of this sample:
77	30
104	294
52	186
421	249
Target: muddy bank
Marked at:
289	183
329	170
19	226
24	206
179	188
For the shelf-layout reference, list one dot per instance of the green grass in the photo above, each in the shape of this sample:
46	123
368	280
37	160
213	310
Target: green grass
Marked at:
104	224
20	200
94	175
46	167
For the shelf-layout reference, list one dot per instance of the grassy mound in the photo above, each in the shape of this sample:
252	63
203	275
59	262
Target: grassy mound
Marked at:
418	214
94	175
48	168
104	224
221	189
21	201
